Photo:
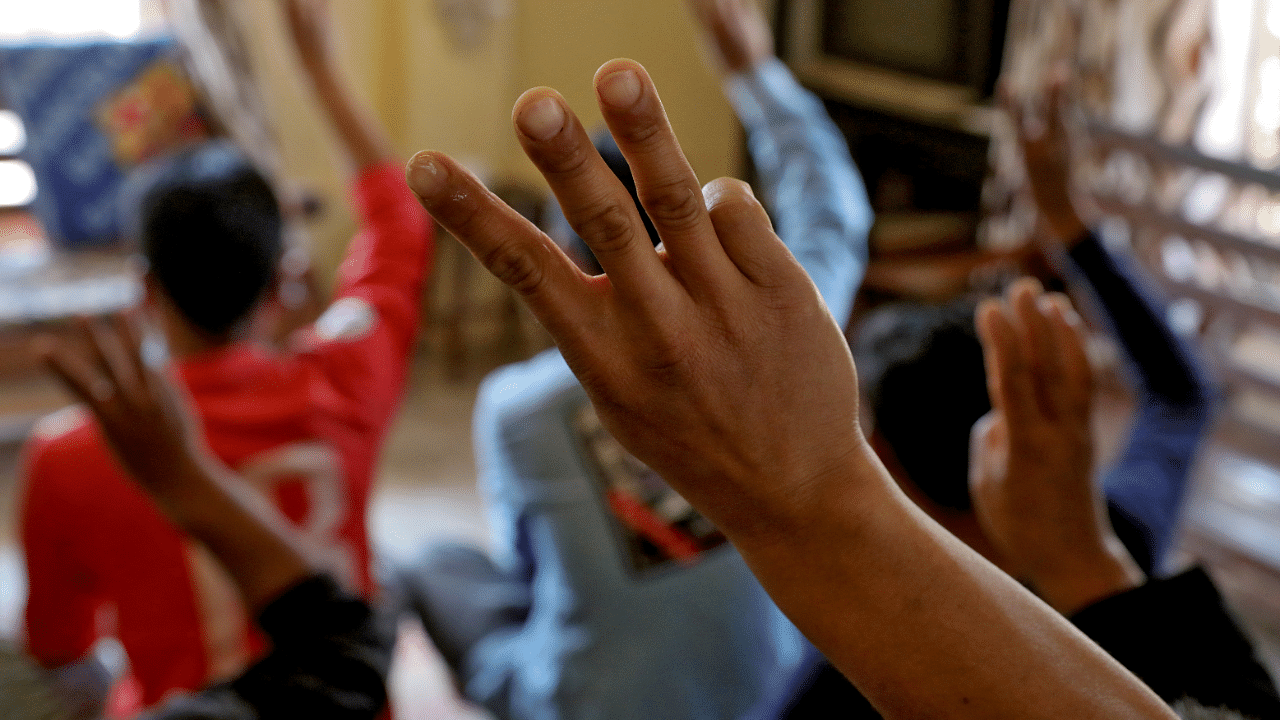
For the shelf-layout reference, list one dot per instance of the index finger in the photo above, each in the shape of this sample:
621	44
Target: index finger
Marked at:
505	243
1012	391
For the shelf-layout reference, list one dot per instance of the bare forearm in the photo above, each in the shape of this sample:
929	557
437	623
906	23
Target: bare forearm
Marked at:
924	626
261	562
359	131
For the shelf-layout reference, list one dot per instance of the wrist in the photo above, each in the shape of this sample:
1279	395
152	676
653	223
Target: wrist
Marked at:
1068	229
810	511
1085	578
188	494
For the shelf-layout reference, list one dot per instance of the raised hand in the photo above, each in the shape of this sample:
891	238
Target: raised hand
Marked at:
1046	151
155	439
736	32
1031	467
712	359
361	135
311	29
139	412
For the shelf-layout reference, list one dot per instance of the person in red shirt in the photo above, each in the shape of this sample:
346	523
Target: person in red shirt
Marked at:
302	425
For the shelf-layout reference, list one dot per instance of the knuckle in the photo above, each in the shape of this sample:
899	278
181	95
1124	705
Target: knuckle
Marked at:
641	132
607	230
676	206
459	212
515	267
565	159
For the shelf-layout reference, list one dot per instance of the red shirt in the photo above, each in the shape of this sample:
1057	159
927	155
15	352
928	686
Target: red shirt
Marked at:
304	427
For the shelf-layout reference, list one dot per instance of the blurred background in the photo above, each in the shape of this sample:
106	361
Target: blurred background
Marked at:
1178	102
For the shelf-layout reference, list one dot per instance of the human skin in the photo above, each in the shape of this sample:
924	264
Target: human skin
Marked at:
1031	471
149	429
714	361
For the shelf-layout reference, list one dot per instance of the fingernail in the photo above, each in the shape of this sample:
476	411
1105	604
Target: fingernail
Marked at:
543	119
621	89
425	175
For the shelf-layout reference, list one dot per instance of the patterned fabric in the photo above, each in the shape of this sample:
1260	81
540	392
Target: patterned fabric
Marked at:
92	110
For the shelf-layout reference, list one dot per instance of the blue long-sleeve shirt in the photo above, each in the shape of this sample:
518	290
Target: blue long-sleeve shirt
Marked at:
1146	484
686	641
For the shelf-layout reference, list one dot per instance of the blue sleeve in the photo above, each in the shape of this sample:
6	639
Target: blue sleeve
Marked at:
1147	483
810	185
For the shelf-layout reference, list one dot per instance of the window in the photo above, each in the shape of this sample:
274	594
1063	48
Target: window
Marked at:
1183	107
81	18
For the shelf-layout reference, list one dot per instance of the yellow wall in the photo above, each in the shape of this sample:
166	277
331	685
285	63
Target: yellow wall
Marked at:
560	43
432	94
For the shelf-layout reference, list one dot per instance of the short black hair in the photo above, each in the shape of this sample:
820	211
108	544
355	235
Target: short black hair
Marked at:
210	227
922	372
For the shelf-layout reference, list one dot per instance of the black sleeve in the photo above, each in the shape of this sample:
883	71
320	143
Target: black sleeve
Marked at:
328	661
1175	634
329	658
1162	364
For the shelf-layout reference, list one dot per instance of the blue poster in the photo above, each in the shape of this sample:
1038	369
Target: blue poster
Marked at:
92	110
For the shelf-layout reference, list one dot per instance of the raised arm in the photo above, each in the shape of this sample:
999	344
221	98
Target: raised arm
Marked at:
1148	480
1034	493
328	658
363	342
715	362
361	135
809	183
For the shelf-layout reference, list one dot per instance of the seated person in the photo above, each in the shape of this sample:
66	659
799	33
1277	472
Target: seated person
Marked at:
609	597
715	362
1036	500
915	354
912	355
328	657
301	426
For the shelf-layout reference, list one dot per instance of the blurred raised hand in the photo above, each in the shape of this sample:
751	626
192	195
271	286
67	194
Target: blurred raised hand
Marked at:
736	33
311	29
1031	466
140	413
153	435
362	138
1047	146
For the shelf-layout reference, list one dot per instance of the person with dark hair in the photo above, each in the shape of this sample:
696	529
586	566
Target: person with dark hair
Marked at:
914	355
301	425
608	595
715	362
921	354
211	230
328	657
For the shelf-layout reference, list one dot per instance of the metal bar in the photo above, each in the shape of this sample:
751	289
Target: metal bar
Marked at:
1150	146
1231	305
1153	217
